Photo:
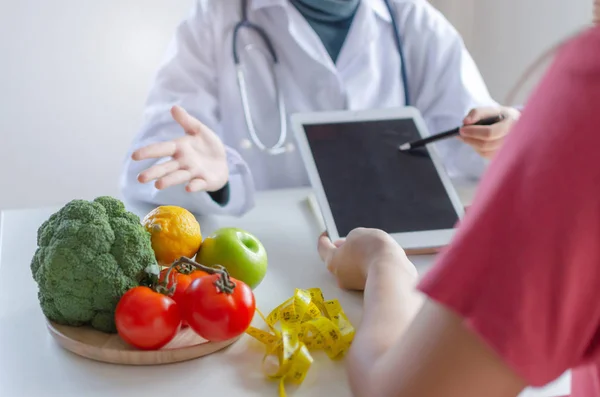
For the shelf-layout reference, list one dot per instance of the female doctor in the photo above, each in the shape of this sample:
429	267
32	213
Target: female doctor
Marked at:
204	153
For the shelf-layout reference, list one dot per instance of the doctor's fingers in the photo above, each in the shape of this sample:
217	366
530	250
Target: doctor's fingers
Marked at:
478	114
190	124
155	150
196	185
484	146
486	133
158	171
175	178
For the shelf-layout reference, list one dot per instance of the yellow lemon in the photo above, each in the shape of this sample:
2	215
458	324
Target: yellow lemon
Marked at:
175	233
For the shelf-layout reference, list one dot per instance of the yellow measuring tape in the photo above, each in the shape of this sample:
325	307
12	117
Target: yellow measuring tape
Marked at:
306	322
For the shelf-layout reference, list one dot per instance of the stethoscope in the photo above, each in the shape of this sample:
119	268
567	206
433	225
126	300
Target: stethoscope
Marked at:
280	146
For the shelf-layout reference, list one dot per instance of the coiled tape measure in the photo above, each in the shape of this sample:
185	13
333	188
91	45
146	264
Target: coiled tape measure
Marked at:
307	322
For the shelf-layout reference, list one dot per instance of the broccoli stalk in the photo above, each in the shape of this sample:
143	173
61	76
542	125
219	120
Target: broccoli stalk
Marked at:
89	254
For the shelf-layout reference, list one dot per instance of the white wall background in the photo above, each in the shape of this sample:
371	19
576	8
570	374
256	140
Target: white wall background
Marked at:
506	36
74	75
73	78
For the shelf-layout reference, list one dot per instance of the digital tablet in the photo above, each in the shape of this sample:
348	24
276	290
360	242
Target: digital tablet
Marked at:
361	179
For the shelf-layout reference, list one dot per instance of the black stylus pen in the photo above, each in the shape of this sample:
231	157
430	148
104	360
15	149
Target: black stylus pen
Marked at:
444	135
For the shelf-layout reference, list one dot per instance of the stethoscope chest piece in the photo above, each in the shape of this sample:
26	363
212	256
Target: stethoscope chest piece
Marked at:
245	144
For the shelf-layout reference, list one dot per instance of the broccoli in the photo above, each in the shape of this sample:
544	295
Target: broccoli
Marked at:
89	254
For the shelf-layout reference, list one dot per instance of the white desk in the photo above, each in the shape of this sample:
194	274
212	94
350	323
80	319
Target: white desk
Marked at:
32	365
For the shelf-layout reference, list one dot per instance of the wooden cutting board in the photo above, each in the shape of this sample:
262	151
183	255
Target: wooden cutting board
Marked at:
110	348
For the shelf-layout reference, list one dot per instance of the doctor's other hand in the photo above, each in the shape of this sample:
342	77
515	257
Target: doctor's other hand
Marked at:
198	158
487	140
351	259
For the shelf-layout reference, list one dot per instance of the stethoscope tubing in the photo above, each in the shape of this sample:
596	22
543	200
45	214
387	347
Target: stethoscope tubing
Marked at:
278	147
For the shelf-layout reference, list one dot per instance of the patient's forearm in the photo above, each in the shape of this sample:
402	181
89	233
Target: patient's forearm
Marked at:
390	303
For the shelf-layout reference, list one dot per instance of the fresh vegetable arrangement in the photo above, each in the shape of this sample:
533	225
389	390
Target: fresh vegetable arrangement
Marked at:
99	265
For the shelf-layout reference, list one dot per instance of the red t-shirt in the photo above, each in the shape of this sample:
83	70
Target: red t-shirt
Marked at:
524	267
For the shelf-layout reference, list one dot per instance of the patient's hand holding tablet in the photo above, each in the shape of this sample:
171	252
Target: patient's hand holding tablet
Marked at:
361	179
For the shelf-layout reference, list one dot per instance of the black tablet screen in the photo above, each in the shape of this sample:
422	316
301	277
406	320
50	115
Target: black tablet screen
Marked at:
370	183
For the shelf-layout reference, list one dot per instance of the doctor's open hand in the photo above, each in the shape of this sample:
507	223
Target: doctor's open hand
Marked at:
487	140
362	251
197	159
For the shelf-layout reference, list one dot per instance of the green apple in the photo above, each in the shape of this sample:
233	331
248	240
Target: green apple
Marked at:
238	251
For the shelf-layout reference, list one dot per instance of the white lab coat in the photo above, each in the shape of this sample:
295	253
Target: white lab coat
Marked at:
198	73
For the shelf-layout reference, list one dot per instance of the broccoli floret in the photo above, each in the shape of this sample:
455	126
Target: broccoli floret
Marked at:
89	254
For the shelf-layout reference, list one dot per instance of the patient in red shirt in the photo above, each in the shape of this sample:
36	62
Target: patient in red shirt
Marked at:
514	301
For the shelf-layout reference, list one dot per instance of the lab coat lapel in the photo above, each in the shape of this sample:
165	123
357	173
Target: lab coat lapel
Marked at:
300	31
307	39
360	36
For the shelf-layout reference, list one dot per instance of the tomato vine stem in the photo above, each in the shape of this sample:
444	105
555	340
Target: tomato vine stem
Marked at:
186	265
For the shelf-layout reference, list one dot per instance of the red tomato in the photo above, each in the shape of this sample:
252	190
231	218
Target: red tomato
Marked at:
197	274
217	315
183	281
146	319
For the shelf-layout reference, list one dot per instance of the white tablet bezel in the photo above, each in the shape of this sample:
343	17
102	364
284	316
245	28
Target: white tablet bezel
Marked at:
431	239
